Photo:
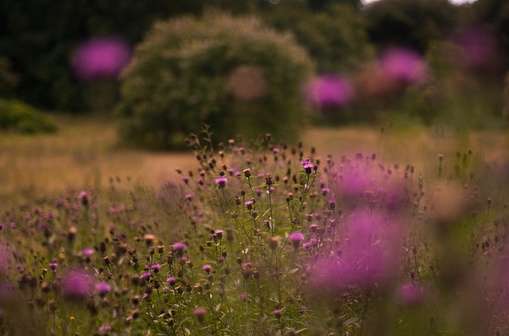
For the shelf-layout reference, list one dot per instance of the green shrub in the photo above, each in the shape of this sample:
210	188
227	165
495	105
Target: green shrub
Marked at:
233	74
336	39
20	117
412	24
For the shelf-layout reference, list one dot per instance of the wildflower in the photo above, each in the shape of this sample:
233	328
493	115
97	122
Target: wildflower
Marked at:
145	276
100	58
87	252
104	329
102	288
274	242
370	252
308	166
155	267
149	238
277	313
218	234
249	204
221	181
200	313
53	265
179	248
84	198
403	66
296	238
410	293
330	91
77	284
171	280
207	268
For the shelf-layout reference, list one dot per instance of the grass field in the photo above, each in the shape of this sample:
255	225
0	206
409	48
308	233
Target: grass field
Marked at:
85	152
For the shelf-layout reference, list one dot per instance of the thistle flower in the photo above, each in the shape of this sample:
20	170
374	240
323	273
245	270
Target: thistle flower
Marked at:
221	181
410	293
77	284
179	248
200	313
100	58
88	252
308	166
84	198
370	251
329	91
171	280
102	288
207	268
403	66
296	238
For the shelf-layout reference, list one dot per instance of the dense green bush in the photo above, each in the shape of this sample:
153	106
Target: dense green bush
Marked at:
410	23
233	74
20	117
336	39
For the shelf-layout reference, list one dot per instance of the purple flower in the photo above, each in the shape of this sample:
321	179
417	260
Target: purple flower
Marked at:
53	265
296	238
207	268
308	166
100	58
363	178
221	181
179	247
218	234
104	329
145	276
171	280
329	91
77	284
403	66
410	293
87	252
367	254
102	288
84	198
155	267
200	313
478	47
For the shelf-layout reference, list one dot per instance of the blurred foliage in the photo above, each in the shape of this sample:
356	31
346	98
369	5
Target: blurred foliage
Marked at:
410	23
38	36
8	79
336	38
495	15
20	117
233	74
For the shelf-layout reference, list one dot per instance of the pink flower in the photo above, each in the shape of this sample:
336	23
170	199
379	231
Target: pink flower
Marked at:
296	238
329	91
179	247
403	66
221	181
100	58
200	313
77	284
87	252
410	293
368	253
102	288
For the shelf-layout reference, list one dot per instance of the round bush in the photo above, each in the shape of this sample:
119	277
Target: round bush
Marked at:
19	117
233	74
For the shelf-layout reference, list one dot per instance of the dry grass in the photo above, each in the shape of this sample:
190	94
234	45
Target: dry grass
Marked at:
85	153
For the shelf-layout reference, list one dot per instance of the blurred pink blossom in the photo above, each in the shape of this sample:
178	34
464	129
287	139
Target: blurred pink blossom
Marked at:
403	66
330	91
100	58
368	253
